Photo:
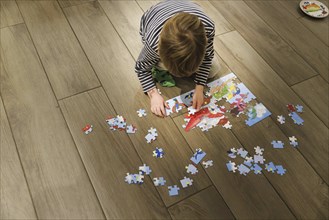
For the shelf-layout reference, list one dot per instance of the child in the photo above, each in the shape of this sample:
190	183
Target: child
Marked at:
177	37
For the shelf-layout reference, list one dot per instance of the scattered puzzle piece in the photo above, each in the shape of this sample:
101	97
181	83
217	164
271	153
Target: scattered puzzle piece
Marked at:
281	119
130	129
277	144
159	181
139	178
207	164
145	169
158	153
248	161
186	182
256	168
259	159
173	190
270	167
198	156
231	166
232	153
296	118
293	141
280	170
130	178
227	125
87	129
141	113
259	150
299	108
243	153
153	131
191	169
244	170
291	108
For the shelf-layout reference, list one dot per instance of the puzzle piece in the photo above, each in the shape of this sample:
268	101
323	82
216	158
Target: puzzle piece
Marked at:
231	166
291	108
130	129
296	118
299	108
270	167
191	110
191	169
280	170
259	150
87	129
293	141
173	190
158	153
256	168
150	138
244	170
248	161
232	153
159	181
259	159
227	125
141	113
277	144
186	182
207	164
281	119
198	156
243	153
130	178
257	113
153	131
139	178
145	169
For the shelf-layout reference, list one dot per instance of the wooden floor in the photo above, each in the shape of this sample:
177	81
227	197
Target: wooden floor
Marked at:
68	63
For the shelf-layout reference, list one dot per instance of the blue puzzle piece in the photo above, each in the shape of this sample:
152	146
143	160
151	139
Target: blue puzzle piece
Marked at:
198	156
231	166
280	170
296	118
277	144
257	113
299	108
173	190
244	170
270	167
257	169
243	153
248	161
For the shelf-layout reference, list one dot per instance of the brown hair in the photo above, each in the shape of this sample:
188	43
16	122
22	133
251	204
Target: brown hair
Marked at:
182	44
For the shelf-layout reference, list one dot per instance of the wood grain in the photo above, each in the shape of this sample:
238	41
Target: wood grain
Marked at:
119	80
145	5
249	197
273	49
59	185
270	89
69	3
108	156
207	204
314	93
9	14
65	63
319	27
15	200
314	51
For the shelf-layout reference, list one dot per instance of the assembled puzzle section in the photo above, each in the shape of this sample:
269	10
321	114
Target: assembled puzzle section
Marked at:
225	98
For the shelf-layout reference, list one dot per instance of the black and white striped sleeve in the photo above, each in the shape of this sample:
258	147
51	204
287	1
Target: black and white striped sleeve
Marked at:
202	73
146	60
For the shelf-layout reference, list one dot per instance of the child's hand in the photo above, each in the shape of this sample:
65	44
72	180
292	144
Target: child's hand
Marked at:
157	103
198	97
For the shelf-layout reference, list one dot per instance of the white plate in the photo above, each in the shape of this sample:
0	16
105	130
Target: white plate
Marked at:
314	9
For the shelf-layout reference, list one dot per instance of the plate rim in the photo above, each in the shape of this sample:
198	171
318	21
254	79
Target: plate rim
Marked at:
315	1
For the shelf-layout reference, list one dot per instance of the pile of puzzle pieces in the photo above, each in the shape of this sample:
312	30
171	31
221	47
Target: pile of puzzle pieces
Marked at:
293	113
237	95
119	123
252	163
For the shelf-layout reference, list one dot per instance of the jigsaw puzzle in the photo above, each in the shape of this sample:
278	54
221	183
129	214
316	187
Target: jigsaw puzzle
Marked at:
145	169
231	166
173	190
207	164
158	153
259	150
198	156
242	152
281	119
244	170
259	159
257	113
270	167
151	135
186	182
141	113
280	170
116	123
232	153
277	144
293	141
296	118
191	169
131	129
87	129
159	181
257	169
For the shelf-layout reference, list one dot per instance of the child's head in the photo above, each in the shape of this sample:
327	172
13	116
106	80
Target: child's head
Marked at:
182	44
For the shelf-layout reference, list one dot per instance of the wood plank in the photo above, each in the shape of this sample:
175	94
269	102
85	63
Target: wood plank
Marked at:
207	204
106	171
100	41
271	90
9	14
15	200
276	52
293	7
59	185
145	5
319	27
65	63
314	51
314	93
69	3
248	197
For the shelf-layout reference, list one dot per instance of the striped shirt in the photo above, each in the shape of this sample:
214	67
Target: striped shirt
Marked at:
151	25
